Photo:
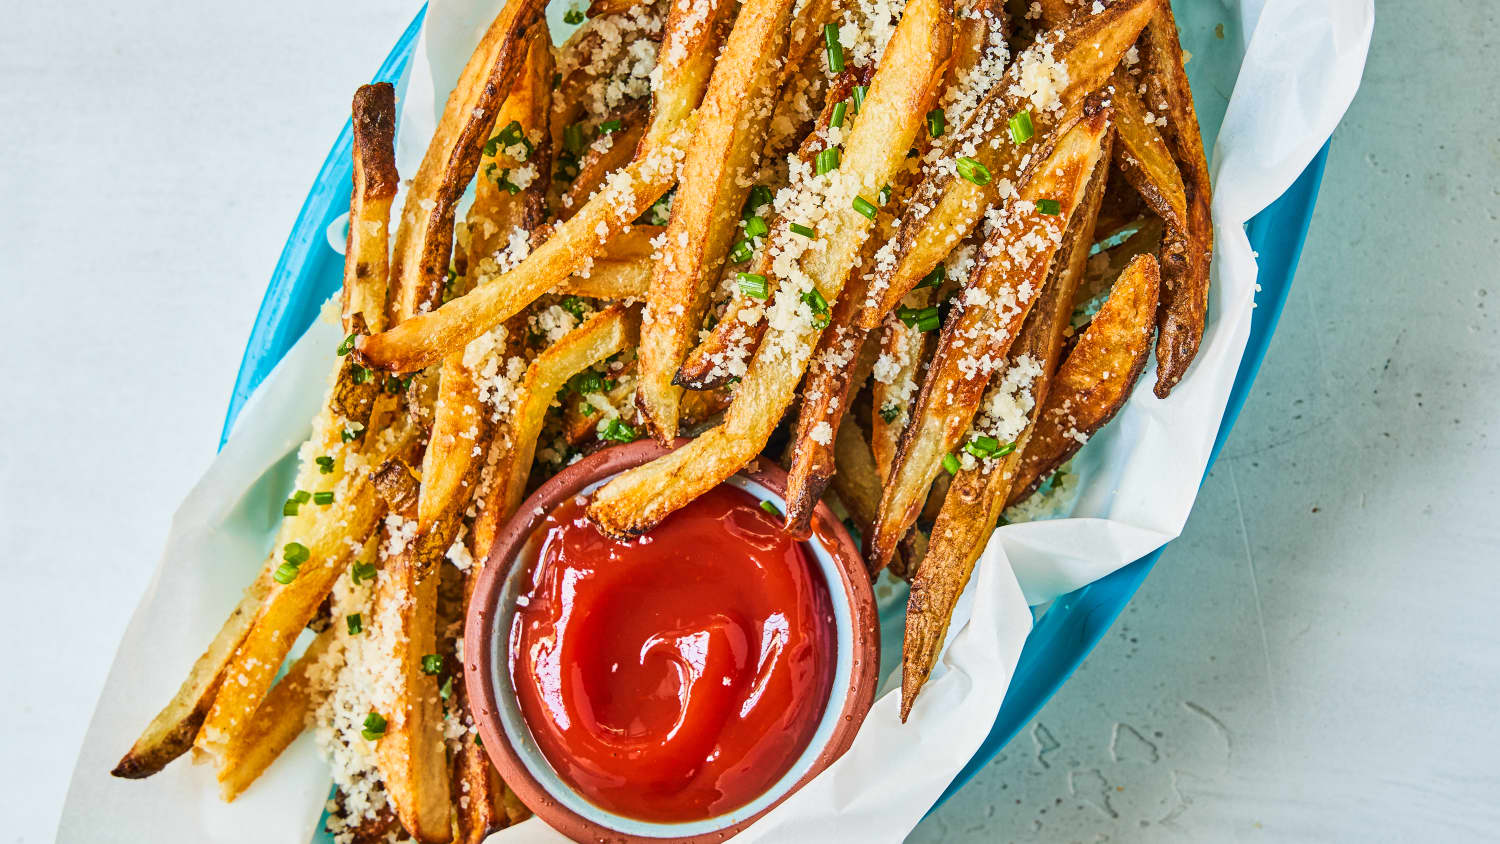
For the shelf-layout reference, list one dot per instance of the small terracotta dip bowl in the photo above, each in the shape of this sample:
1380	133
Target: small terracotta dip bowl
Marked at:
508	739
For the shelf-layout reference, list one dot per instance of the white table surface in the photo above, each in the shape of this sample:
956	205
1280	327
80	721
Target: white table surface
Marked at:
1317	658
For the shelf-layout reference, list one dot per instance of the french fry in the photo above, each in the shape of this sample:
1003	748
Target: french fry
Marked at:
730	131
424	233
288	607
410	755
606	154
857	482
367	262
974	501
688	53
1096	378
946	206
876	148
724	354
978	334
275	724
171	732
1186	252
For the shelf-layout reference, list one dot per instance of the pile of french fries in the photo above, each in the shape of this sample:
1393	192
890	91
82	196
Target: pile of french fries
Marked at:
952	229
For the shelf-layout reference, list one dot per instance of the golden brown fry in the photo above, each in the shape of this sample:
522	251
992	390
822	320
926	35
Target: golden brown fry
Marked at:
977	495
688	52
424	233
723	355
288	607
1105	267
729	134
367	259
857	483
606	154
411	757
946	207
1185	253
979	333
1095	380
171	732
893	112
278	721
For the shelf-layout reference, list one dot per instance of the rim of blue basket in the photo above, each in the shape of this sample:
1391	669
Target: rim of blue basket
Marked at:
1075	622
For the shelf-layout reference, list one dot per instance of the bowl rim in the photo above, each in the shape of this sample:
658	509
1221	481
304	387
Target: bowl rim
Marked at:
484	612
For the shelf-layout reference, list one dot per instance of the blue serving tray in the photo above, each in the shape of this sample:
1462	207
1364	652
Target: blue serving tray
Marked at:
308	272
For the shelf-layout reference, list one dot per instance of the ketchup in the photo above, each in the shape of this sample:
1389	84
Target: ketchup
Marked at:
677	676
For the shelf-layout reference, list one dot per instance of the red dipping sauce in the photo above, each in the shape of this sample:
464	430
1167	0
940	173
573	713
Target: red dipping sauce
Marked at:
677	676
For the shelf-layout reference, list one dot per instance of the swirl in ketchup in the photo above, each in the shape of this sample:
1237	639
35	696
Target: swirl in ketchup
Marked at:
677	676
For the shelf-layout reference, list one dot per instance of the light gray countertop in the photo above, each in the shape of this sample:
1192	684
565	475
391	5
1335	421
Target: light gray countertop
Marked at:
1316	658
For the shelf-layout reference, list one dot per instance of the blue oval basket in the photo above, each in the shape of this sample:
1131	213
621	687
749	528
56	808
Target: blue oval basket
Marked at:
308	272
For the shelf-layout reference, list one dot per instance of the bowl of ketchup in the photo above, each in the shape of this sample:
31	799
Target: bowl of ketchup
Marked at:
676	686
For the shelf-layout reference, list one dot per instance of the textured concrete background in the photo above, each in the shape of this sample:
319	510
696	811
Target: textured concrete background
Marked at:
1315	659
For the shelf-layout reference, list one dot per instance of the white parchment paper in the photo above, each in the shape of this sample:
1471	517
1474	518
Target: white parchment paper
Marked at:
1292	67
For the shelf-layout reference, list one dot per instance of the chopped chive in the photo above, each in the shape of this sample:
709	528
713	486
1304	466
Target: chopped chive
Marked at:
935	278
889	412
609	127
760	195
971	170
885	195
503	180
741	252
352	431
834	49
573	16
805	231
447	690
586	409
374	727
394	385
770	508
295	553
1005	449
618	431
983	446
325	465
815	300
285	573
301	496
936	122
347	346
361	571
922	319
573	305
573	138
753	285
1048	206
359	373
827	161
950	463
836	119
864	207
756	226
1021	129
323	499
290	507
859	96
587	381
432	664
355	623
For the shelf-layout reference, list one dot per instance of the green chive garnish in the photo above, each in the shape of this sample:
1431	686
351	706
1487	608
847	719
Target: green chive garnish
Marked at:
864	207
885	194
889	412
950	463
295	553
1021	129
374	727
355	623
362	571
760	195
805	231
770	508
815	300
922	319
1048	206
290	507
618	431
323	499
347	346
840	109
971	170
741	252
936	122
827	161
753	285
609	127
834	49
447	690
756	226
935	278
352	431
983	446
573	17
432	664
573	305
325	465
285	573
